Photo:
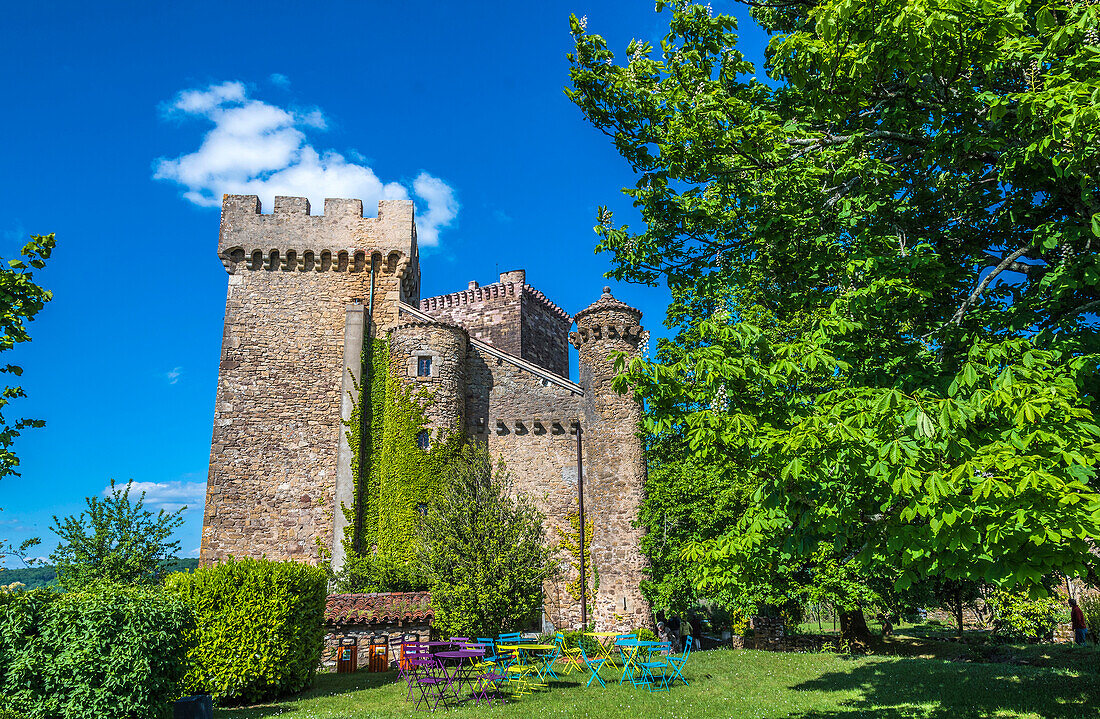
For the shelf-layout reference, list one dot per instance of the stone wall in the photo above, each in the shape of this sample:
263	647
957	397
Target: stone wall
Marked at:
527	420
445	346
273	457
363	634
545	328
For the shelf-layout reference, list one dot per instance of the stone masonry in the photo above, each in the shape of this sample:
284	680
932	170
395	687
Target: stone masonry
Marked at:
305	291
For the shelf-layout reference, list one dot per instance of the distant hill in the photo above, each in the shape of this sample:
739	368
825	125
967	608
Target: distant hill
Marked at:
36	577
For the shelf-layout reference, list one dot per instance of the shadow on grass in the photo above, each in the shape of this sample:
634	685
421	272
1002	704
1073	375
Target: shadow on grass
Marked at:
897	688
325	685
330	685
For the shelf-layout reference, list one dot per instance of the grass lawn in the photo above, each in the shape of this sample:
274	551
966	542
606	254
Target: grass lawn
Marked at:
761	685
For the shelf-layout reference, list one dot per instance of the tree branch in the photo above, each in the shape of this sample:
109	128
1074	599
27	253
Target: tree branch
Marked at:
961	312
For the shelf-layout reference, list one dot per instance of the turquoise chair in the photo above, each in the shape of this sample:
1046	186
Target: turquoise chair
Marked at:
676	663
594	666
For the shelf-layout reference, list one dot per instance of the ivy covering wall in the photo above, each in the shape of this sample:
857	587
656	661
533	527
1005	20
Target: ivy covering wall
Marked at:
393	475
409	476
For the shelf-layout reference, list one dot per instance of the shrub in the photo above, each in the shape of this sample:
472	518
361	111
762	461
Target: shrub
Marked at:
645	635
484	551
1018	618
379	573
23	652
114	651
259	633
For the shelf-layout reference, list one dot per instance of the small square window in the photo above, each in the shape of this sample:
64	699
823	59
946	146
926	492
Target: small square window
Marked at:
423	366
422	439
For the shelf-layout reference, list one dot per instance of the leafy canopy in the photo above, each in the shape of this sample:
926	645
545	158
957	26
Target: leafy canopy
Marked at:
885	263
115	541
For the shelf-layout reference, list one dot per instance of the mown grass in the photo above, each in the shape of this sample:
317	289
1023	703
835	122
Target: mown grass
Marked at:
760	685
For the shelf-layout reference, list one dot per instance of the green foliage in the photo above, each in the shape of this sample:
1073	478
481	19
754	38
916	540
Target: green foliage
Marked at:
31	577
685	501
116	540
567	542
364	430
380	573
484	551
1018	618
259	633
409	476
887	267
645	634
20	301
113	651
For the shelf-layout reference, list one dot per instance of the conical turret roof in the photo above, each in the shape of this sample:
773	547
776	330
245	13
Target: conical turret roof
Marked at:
607	302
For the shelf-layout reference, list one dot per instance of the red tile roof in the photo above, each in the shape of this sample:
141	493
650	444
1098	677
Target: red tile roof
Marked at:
378	608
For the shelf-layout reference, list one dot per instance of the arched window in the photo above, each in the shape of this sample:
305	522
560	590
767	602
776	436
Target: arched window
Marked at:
422	439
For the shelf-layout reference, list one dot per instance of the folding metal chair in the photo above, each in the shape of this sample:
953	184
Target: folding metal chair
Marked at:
594	666
676	664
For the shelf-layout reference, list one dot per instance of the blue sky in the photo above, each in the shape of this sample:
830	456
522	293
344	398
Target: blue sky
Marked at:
124	119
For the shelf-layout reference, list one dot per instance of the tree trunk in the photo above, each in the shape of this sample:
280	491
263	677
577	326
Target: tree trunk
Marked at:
959	610
853	626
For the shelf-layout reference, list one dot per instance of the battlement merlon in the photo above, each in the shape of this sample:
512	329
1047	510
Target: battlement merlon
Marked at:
290	228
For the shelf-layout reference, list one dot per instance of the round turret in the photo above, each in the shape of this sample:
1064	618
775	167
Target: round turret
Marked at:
614	460
432	355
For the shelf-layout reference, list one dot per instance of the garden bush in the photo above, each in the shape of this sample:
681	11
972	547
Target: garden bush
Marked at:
1018	618
259	633
113	651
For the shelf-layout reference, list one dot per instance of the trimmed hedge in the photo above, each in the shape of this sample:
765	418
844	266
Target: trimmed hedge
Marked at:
260	630
114	651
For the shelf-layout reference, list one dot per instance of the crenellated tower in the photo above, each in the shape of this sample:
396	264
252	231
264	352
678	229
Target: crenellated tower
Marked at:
304	290
615	468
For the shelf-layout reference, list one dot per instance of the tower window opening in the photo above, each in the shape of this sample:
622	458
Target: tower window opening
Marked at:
422	439
423	366
422	509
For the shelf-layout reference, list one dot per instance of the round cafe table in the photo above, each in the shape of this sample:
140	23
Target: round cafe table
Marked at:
542	666
606	641
463	670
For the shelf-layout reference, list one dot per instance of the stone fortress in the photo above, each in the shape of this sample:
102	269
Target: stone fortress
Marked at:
305	293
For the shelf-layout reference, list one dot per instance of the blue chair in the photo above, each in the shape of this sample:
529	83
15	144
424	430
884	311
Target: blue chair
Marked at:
676	663
490	648
594	666
653	670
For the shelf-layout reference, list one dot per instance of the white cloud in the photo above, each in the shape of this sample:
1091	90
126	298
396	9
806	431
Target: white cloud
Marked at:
256	148
173	376
168	496
278	78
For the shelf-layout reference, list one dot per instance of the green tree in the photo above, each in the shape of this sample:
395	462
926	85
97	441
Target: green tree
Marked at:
21	299
484	552
914	189
115	541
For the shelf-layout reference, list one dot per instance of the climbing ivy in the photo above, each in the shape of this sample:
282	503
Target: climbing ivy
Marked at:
409	476
392	474
567	542
366	445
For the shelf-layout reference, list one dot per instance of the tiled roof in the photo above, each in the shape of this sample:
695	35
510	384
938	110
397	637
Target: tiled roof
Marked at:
378	608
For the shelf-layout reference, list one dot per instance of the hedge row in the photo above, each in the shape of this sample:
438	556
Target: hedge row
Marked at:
242	631
116	651
259	628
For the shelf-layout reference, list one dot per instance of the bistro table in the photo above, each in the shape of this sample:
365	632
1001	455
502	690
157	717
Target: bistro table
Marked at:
629	648
605	641
540	661
463	670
